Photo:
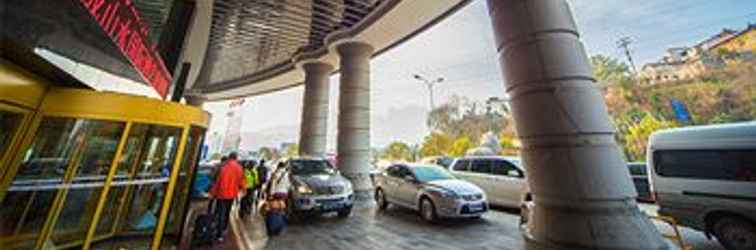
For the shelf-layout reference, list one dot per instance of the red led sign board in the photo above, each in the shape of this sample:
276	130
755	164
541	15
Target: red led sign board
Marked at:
121	22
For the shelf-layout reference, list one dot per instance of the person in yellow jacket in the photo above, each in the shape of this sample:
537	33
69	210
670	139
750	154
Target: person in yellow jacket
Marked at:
248	202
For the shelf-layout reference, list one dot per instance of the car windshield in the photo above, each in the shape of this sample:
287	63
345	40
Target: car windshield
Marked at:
431	173
311	167
445	161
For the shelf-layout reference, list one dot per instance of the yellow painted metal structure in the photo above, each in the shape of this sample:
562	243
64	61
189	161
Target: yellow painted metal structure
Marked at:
675	236
91	170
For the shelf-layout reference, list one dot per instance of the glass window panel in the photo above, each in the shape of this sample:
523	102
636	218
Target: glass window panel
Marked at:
481	166
734	165
461	165
182	190
503	168
61	145
142	178
9	123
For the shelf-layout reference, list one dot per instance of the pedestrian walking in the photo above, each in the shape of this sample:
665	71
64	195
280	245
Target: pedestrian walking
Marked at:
248	202
229	182
262	178
274	208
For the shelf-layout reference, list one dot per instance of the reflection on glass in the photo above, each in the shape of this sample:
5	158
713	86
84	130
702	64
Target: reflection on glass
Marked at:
9	122
69	158
181	193
139	187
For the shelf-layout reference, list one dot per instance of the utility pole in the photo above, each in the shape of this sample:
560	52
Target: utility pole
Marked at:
624	43
430	84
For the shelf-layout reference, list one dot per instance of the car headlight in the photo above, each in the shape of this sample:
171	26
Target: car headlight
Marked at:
304	189
448	194
348	188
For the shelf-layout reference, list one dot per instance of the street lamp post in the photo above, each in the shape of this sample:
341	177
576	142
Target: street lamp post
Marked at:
430	84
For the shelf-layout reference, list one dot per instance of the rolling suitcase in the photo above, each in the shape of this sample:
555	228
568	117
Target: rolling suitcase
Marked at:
275	223
205	227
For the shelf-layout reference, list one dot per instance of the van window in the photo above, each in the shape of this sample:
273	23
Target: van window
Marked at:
503	168
734	165
481	166
461	165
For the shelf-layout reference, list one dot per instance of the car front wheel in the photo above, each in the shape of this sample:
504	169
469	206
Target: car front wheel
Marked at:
735	234
428	210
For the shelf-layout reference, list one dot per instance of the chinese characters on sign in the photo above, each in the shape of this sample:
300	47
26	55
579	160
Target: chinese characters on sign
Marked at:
121	22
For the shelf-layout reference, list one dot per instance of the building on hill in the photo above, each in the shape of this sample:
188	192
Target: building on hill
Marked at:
686	63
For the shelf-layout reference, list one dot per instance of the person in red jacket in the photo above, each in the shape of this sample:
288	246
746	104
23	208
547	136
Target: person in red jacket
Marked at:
228	184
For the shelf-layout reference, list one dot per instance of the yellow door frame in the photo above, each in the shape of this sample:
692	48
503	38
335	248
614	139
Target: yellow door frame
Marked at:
21	141
171	186
106	187
52	215
117	108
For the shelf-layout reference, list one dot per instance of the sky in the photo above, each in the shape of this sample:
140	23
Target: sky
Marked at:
461	50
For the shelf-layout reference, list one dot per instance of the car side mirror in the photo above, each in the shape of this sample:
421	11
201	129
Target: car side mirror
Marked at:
514	173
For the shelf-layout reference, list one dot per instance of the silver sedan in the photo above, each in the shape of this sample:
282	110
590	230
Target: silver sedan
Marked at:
431	190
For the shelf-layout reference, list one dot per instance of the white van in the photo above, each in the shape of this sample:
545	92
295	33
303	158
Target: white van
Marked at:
501	178
705	178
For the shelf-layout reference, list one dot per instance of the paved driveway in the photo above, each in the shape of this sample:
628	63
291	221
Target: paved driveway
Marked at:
399	228
395	228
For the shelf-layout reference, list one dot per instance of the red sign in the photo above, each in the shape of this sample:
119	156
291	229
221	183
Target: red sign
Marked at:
120	20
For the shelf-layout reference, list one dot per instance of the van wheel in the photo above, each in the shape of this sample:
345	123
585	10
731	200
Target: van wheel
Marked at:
735	233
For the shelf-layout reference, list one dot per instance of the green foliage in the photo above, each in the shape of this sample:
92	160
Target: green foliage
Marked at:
719	96
462	117
292	150
436	144
267	153
398	151
637	135
460	146
609	70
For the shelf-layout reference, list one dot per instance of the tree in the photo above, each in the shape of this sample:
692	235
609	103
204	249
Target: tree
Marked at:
267	153
491	142
508	143
636	139
292	150
461	117
608	70
460	146
398	151
436	144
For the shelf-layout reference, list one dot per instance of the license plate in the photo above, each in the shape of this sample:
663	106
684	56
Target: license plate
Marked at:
476	207
329	206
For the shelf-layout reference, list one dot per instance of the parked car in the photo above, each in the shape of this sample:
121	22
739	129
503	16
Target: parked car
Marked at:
705	178
316	187
431	190
639	173
502	178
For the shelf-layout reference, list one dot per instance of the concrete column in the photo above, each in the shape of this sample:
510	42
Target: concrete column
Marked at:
313	130
583	194
354	119
196	101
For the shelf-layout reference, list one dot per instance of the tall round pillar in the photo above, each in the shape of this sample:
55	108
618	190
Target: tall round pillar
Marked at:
354	119
314	127
583	195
